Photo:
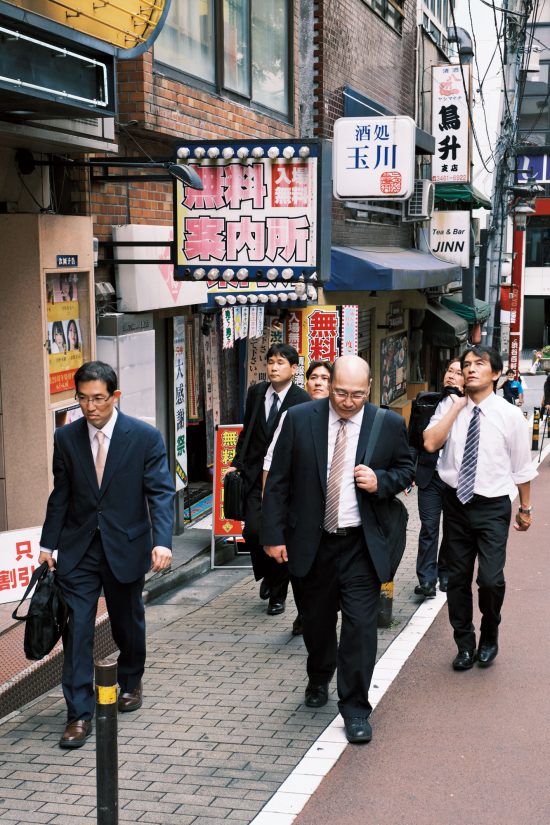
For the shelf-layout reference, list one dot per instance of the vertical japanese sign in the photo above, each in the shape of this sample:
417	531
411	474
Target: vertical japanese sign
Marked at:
251	214
451	124
64	343
320	334
226	437
257	349
350	330
373	157
180	413
18	554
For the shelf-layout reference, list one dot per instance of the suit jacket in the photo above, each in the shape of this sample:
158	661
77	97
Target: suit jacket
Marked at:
293	506
133	509
425	468
251	463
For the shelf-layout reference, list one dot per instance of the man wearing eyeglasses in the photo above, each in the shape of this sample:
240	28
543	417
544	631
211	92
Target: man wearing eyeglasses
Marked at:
323	512
110	517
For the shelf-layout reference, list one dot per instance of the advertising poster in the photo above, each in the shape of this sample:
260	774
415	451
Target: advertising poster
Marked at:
393	376
65	342
19	551
320	334
225	441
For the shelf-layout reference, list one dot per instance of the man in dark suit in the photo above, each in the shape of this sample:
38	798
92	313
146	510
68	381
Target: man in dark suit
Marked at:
110	517
265	403
325	513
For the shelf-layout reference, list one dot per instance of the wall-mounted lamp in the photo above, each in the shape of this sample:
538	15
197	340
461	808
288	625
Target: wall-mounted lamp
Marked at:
186	174
521	213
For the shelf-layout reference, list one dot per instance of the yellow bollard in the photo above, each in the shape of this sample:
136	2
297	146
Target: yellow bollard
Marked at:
386	604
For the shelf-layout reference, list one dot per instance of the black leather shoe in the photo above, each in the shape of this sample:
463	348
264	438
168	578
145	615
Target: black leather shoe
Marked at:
464	660
358	729
297	628
316	695
128	702
275	606
426	589
265	589
75	734
486	653
443	583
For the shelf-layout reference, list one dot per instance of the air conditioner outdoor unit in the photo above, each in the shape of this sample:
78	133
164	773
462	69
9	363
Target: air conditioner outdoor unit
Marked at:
420	205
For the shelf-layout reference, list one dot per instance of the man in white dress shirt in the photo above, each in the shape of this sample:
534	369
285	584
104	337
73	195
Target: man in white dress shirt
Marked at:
485	455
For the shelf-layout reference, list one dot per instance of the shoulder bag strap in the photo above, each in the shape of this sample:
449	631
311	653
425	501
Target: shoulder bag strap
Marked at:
36	576
373	435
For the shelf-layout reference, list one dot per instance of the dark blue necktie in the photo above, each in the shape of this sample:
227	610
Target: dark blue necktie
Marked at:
468	468
273	411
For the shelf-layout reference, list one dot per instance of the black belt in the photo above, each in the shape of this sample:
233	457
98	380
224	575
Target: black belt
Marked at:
344	531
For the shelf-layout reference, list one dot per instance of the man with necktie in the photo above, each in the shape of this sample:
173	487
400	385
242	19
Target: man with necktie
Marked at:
110	517
326	513
485	455
266	402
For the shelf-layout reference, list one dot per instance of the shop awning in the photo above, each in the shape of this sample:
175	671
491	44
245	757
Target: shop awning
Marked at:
464	193
473	315
359	268
443	328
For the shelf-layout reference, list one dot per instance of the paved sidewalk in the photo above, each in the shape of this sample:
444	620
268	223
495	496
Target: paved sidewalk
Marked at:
223	723
467	748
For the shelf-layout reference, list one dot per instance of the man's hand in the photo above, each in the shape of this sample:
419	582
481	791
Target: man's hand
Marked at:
365	478
460	400
277	552
230	470
46	557
161	559
523	522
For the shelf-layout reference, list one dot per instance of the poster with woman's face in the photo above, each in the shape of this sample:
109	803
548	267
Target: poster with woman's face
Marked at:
65	345
393	357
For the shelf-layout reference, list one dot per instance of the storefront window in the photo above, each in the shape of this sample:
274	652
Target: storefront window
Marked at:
537	242
68	340
254	37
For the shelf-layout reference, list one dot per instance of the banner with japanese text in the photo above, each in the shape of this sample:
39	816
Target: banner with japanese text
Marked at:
225	442
19	551
320	334
180	412
350	330
451	123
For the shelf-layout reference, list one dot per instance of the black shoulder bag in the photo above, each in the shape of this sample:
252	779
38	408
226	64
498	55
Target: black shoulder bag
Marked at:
233	482
47	614
395	517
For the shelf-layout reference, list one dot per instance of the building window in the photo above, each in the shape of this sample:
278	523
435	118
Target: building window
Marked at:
537	241
435	21
240	47
389	10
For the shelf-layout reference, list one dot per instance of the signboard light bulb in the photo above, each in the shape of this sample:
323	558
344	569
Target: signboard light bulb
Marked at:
213	152
271	273
257	152
213	274
199	152
231	300
220	300
199	273
242	299
287	273
228	274
228	152
303	151
242	153
242	274
288	152
183	152
273	152
263	299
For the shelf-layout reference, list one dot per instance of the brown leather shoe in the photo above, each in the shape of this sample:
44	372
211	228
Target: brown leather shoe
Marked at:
130	701
76	734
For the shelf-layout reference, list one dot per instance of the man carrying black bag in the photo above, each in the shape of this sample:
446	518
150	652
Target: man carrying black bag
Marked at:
265	403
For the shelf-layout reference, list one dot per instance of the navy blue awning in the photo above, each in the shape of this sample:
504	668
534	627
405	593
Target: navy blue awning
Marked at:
359	268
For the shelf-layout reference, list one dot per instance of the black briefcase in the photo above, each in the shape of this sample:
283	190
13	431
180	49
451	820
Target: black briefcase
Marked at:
47	614
233	496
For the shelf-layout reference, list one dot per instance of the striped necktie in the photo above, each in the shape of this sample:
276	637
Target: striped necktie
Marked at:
467	473
335	478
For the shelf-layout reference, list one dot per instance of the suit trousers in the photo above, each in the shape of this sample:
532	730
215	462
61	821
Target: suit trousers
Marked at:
81	589
342	578
264	567
430	507
479	530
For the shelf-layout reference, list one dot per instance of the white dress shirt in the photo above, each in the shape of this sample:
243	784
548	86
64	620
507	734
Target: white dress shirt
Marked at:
269	395
348	510
268	458
504	456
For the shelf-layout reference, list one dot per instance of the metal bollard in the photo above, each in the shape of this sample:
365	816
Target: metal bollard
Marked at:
106	742
386	604
536	427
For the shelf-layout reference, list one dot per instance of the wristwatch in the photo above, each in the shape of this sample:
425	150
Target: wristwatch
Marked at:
525	510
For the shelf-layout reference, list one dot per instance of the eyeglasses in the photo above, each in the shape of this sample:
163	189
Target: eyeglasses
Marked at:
355	396
96	400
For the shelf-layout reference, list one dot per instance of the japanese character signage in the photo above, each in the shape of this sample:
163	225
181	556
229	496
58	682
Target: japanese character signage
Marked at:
350	330
19	551
257	210
226	438
320	334
451	124
180	409
450	236
373	157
